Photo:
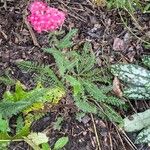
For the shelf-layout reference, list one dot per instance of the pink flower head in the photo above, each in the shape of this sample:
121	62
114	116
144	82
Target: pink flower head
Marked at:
45	18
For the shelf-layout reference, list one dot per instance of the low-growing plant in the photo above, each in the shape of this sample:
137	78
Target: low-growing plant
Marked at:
130	5
90	84
39	141
28	105
137	85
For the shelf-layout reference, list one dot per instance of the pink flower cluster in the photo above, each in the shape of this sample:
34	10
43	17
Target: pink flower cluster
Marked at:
45	18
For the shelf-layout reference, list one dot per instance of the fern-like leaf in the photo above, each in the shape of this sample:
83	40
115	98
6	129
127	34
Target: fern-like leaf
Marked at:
111	114
9	108
100	96
44	73
84	105
66	41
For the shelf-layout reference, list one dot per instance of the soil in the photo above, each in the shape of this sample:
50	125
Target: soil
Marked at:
98	25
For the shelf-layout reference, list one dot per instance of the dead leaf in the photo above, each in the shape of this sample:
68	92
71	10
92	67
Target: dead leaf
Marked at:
118	45
116	87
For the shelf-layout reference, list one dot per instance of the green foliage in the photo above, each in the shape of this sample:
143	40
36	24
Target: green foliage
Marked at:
62	63
130	5
27	103
19	123
45	146
9	108
143	136
77	87
147	8
83	104
4	127
78	69
132	74
45	74
7	80
57	125
136	77
36	138
146	61
66	41
60	143
137	122
137	88
99	94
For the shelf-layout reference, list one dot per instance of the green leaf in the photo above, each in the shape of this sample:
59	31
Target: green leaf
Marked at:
137	121
7	80
111	114
146	61
86	61
4	136
147	8
99	94
60	143
20	124
137	93
20	91
131	74
45	146
82	103
59	58
17	95
80	115
38	138
63	62
4	145
143	136
22	132
9	108
94	91
8	96
58	123
43	73
77	87
65	42
4	127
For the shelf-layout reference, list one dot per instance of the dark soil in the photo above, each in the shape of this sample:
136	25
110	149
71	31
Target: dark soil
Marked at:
98	25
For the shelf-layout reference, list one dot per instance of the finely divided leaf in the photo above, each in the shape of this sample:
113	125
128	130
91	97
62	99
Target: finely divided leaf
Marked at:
77	87
111	114
9	108
4	127
65	42
84	105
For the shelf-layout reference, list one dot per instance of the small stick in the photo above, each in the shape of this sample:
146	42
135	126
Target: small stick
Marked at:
110	140
34	39
95	130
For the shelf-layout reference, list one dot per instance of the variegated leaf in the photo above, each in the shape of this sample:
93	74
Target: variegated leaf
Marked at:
143	136
137	121
132	74
137	93
146	61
